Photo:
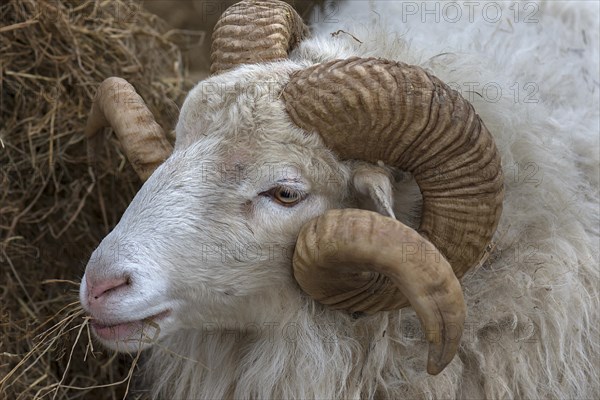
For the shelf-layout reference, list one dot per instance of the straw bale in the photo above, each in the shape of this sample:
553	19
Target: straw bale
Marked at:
54	209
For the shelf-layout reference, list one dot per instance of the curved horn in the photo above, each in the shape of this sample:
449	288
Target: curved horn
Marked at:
117	105
255	31
411	120
343	247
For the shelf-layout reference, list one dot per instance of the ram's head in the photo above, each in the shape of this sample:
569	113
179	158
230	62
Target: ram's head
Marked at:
270	154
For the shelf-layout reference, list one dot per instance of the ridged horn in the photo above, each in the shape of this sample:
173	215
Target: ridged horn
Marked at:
252	32
372	109
378	110
344	247
117	105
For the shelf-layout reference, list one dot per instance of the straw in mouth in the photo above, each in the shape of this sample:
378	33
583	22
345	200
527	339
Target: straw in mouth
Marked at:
128	330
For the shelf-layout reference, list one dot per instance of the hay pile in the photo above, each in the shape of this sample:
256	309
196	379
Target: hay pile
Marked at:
53	209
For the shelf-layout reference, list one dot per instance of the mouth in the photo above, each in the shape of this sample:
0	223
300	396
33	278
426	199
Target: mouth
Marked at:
128	330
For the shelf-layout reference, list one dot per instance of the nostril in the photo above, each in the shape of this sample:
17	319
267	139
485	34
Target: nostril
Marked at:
99	289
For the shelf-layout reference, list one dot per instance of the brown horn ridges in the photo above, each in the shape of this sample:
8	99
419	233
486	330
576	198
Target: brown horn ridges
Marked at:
117	105
372	109
344	249
255	31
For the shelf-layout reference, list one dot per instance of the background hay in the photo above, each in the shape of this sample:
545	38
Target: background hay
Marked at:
53	209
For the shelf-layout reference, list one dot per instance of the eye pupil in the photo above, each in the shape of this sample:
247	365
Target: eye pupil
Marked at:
286	196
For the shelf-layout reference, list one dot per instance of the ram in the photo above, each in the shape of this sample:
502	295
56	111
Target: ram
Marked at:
306	236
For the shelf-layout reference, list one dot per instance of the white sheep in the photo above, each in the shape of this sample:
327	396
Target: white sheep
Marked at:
199	269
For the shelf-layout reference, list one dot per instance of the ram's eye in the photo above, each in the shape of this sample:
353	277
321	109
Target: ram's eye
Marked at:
285	196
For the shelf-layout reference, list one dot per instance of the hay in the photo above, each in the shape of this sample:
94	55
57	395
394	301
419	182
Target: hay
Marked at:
53	209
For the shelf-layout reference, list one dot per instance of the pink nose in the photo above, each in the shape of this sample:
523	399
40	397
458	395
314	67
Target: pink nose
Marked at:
98	289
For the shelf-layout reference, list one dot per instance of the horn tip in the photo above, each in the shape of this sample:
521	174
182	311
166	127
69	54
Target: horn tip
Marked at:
440	355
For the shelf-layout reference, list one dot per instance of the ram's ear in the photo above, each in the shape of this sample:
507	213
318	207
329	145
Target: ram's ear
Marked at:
373	186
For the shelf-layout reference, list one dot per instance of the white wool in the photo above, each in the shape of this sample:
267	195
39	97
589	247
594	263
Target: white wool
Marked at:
532	325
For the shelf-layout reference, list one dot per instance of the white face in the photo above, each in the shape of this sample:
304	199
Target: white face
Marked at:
209	238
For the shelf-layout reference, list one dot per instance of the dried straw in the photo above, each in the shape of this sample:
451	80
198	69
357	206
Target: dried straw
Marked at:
53	209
